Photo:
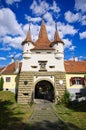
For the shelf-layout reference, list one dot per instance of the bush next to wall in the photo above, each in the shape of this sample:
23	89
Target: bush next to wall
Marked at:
66	99
1	83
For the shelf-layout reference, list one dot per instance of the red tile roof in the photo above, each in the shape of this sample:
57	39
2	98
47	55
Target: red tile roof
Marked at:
75	66
43	43
1	69
10	69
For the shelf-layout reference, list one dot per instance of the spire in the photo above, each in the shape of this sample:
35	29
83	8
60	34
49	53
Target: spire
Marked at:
43	32
28	36
43	41
56	35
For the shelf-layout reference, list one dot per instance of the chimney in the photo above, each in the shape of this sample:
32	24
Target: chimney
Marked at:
12	59
16	66
75	58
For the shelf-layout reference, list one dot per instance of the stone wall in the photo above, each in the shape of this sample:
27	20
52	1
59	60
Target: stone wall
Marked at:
26	85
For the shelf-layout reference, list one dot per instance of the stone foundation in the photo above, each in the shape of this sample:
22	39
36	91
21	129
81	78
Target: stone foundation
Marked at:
26	85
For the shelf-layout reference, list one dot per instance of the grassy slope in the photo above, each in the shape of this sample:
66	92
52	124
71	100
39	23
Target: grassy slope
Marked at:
74	116
12	115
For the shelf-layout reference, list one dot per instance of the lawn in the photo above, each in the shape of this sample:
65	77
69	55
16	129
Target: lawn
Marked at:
12	115
74	115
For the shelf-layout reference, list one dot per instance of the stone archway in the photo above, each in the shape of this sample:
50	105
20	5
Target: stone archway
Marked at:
44	90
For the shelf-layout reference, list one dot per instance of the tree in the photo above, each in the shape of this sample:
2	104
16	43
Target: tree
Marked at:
1	83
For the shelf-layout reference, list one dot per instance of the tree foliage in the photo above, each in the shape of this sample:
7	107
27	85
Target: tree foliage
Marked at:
66	98
1	83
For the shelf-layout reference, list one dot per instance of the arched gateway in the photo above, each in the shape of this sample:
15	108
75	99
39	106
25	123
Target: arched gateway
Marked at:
44	90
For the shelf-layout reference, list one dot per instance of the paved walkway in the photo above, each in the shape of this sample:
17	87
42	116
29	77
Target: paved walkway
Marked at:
45	118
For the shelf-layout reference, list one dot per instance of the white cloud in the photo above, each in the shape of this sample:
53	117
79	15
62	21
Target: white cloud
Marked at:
8	23
77	17
12	1
2	58
18	55
41	7
67	42
72	48
11	33
83	20
82	57
31	19
12	42
82	35
55	8
71	58
80	5
48	17
5	49
71	17
66	29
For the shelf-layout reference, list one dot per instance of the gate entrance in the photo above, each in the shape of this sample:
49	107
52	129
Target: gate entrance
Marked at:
44	90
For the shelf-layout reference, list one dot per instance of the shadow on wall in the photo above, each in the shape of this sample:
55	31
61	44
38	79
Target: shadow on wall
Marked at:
16	88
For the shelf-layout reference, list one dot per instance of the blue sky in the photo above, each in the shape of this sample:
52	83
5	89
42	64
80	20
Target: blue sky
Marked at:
16	15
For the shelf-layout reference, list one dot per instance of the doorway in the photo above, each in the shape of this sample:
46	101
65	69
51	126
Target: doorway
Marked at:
44	90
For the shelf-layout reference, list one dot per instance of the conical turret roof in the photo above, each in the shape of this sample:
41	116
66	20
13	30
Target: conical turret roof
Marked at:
56	37
28	37
43	41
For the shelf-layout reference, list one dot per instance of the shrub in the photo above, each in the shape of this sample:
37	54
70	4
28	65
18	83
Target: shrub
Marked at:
1	83
66	98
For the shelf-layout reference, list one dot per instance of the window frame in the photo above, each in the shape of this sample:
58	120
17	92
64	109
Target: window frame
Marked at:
8	79
77	81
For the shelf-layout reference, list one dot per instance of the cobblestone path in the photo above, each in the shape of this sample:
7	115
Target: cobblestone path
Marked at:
45	118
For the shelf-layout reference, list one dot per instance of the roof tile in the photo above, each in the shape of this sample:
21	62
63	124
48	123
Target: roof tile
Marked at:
75	66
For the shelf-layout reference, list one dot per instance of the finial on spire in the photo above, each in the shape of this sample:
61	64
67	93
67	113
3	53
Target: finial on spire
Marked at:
43	18
56	26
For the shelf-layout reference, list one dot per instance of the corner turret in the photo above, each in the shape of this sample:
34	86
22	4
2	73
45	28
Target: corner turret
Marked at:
27	45
58	45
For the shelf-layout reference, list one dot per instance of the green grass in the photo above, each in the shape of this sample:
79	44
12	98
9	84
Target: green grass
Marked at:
12	115
75	116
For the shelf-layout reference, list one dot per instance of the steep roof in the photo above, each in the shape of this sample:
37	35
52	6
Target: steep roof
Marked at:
1	69
56	37
10	69
75	66
43	42
28	37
